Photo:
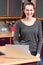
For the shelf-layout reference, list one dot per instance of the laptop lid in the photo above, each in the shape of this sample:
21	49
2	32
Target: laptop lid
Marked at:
17	51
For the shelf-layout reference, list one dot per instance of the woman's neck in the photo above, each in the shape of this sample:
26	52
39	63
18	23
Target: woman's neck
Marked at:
29	19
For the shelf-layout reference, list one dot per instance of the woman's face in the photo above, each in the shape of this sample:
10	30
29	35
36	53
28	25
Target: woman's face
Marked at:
29	11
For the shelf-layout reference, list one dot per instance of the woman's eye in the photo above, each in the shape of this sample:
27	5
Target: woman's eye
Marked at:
31	10
27	10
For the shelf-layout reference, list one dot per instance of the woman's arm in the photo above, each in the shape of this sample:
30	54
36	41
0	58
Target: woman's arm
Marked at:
39	39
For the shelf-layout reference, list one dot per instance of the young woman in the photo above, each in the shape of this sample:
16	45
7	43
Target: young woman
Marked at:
30	30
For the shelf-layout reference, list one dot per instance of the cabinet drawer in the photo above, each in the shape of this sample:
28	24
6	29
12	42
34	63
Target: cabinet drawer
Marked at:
4	41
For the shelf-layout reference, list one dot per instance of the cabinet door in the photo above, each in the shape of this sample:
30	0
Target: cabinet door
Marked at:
39	8
11	8
15	8
42	51
4	41
3	7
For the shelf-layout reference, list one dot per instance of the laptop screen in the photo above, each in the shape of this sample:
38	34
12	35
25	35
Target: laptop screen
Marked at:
17	51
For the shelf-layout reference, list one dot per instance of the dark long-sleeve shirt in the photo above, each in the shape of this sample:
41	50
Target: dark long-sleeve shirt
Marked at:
30	35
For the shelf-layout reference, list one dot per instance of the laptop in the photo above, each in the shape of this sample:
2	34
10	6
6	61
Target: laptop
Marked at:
17	51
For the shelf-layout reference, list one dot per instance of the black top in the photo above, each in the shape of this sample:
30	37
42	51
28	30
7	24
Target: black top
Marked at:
30	35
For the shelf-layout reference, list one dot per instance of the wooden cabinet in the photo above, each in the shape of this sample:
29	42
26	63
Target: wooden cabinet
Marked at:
15	8
10	9
42	51
4	41
3	6
39	9
6	38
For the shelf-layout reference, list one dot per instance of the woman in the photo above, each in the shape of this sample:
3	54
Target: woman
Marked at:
30	31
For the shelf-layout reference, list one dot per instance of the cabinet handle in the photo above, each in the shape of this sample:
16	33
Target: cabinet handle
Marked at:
2	39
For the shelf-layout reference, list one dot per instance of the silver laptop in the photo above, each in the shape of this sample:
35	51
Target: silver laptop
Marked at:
17	51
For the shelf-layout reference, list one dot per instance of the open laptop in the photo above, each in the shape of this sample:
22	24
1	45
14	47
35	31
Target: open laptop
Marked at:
17	51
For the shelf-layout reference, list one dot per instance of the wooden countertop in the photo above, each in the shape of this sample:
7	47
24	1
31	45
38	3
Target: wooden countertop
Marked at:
8	61
5	34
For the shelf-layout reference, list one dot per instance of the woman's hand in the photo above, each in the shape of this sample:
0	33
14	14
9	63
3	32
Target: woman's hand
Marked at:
38	55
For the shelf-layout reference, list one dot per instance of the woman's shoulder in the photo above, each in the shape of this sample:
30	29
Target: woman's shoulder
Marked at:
38	21
18	23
